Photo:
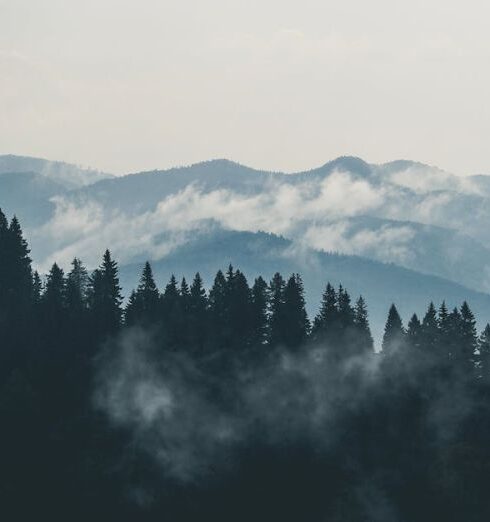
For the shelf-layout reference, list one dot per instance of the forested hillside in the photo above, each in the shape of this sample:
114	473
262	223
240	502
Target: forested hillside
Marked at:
231	403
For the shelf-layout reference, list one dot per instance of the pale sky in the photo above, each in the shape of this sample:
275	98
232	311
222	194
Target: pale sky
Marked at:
278	84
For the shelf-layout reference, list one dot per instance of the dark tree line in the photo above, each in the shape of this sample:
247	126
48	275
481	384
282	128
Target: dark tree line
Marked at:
60	456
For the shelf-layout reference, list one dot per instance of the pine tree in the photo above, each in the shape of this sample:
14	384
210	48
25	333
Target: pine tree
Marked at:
259	312
469	341
105	297
346	312
414	332
132	311
443	319
363	340
217	299
484	355
4	256
16	288
77	282
171	293
238	309
184	289
198	295
218	302
37	289
296	324
394	334
326	325
276	313
148	295
143	306
53	300
17	275
329	311
173	315
198	314
3	222
454	336
429	332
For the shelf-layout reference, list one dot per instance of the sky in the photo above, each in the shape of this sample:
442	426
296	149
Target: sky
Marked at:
125	86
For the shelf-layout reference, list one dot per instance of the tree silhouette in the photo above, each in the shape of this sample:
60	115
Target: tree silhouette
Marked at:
484	355
277	321
394	334
362	338
105	297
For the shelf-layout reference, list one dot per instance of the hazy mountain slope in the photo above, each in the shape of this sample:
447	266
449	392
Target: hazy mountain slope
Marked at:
424	248
28	195
65	174
263	254
413	215
449	241
142	191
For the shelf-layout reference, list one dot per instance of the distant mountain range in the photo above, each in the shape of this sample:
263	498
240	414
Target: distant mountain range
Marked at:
381	218
264	254
64	174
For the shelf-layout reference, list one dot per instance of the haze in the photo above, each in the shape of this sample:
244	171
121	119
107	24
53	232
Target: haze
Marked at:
126	86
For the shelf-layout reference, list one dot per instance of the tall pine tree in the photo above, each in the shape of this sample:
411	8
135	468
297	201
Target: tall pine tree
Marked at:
394	334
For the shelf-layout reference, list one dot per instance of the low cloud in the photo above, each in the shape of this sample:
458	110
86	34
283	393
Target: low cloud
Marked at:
89	228
166	401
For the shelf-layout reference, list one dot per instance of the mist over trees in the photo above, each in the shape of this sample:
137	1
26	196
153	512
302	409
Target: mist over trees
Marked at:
230	404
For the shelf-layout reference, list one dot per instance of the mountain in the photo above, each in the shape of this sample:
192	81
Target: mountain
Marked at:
264	254
142	191
403	212
66	175
28	195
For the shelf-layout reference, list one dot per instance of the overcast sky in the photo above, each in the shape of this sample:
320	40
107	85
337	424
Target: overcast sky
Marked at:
279	84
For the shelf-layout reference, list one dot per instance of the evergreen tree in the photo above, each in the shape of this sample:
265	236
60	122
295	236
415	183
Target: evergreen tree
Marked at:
326	326
16	290
394	334
148	295
484	355
277	321
3	222
414	332
77	282
363	340
37	289
185	292
469	341
144	304
346	312
16	276
198	295
443	320
429	332
238	309
259	311
173	315
132	311
454	336
105	297
217	299
4	257
171	293
328	314
198	314
53	300
296	325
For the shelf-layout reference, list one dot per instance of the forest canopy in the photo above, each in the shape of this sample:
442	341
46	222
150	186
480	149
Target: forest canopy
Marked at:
186	402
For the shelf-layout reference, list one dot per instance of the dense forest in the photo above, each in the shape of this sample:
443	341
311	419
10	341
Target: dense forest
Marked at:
229	403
